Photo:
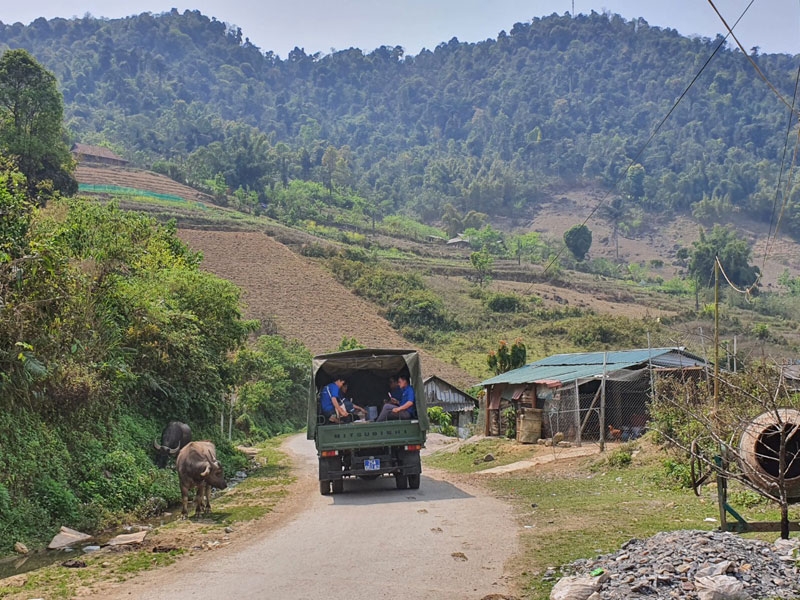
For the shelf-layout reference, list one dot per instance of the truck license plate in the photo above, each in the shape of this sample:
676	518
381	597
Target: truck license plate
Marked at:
372	464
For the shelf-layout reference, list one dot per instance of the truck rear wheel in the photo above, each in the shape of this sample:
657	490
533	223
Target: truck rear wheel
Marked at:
325	487
338	486
401	481
413	481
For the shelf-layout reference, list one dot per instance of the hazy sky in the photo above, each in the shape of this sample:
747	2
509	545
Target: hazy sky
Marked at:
322	25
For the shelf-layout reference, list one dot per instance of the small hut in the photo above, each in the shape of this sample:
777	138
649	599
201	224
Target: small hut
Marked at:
97	155
458	242
587	395
458	404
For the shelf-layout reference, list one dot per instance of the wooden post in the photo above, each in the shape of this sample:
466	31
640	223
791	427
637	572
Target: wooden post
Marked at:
591	408
577	414
486	428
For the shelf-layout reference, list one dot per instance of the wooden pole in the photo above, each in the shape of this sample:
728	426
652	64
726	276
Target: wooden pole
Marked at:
716	337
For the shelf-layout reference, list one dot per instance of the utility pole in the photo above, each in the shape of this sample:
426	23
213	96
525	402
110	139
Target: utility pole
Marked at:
716	336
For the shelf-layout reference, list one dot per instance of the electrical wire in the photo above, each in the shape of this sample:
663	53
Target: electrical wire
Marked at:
792	112
655	131
790	121
750	58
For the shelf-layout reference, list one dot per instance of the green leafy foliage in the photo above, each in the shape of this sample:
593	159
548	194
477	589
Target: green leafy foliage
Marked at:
483	262
733	253
403	297
504	303
349	343
507	358
481	128
441	421
31	127
108	329
578	239
273	377
601	331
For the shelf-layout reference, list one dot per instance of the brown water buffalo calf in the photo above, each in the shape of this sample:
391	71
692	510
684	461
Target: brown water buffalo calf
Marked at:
199	468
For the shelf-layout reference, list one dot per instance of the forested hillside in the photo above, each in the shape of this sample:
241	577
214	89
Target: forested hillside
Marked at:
493	126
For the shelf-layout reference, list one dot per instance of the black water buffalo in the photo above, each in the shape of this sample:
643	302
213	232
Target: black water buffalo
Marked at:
174	437
199	468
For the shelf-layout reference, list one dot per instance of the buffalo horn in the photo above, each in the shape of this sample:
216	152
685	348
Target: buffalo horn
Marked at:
173	451
157	445
206	471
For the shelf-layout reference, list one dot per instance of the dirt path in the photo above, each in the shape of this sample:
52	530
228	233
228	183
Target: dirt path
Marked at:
303	300
442	541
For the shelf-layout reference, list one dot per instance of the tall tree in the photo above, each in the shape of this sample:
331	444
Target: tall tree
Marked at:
734	256
578	239
31	123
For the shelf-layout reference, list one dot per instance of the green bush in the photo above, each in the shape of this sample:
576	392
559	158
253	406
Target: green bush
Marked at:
510	418
5	500
678	471
316	250
441	421
620	458
504	303
56	499
418	308
602	331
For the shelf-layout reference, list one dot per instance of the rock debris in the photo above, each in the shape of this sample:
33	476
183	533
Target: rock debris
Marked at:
692	564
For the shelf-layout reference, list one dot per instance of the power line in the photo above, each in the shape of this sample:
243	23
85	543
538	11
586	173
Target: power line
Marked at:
750	58
789	123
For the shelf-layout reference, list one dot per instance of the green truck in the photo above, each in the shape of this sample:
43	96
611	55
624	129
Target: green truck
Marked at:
367	449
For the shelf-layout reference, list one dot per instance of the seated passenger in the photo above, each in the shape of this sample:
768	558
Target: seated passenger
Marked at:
407	406
329	399
353	409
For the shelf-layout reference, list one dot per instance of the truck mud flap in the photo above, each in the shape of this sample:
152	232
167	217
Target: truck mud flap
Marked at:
330	468
410	462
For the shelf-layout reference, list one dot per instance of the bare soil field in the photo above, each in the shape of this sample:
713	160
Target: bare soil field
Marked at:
300	297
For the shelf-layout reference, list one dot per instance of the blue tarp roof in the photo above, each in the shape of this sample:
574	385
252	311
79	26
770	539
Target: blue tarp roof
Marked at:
564	368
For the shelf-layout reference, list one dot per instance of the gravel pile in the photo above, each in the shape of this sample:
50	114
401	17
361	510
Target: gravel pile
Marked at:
681	564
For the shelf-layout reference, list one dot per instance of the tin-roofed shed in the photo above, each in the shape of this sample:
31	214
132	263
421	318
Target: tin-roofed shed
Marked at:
568	389
457	403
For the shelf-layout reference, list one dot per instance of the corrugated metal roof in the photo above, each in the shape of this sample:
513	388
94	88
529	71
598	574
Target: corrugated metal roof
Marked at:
585	365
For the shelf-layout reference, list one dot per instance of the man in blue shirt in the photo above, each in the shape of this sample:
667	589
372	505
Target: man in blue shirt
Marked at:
407	408
329	399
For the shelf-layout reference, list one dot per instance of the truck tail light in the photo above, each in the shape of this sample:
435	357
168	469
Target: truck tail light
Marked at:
414	448
327	453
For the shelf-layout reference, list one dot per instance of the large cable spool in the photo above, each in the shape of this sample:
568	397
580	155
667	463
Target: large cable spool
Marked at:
759	450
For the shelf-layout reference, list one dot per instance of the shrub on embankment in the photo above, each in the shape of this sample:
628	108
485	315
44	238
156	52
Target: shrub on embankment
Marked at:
108	329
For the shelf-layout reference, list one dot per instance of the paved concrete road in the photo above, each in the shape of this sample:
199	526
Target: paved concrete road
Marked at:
373	541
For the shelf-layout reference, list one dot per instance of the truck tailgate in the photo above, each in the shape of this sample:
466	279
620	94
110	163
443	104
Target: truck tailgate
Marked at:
368	435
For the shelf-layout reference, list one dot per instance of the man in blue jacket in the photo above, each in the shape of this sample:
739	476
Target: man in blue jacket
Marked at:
407	407
331	404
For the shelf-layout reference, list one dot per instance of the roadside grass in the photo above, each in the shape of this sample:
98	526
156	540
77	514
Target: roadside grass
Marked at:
468	458
580	508
266	485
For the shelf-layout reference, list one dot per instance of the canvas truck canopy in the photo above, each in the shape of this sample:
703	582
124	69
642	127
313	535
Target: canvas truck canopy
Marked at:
367	372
